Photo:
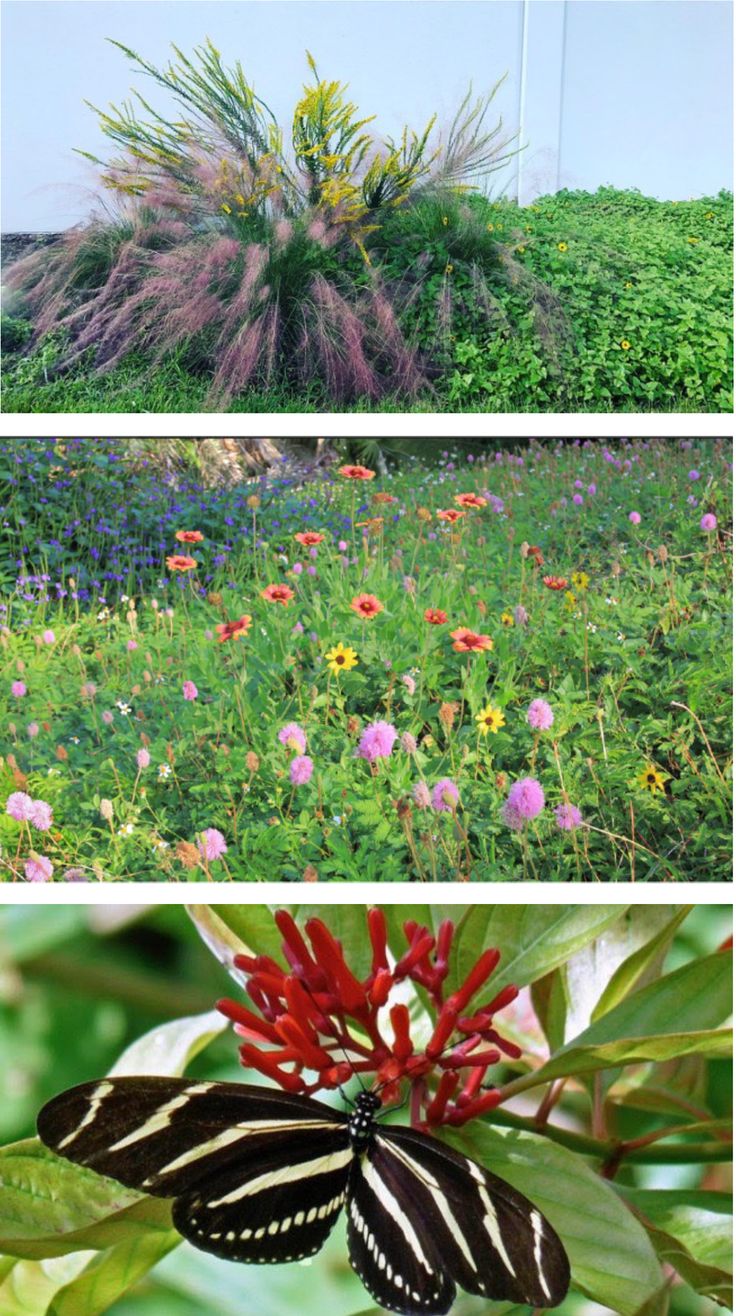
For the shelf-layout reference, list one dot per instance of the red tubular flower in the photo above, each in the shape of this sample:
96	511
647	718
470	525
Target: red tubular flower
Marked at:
315	1024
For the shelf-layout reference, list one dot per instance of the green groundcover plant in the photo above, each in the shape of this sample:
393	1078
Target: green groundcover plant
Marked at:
237	266
609	1106
515	666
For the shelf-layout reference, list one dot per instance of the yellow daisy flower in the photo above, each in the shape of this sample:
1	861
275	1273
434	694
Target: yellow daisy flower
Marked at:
580	579
624	344
490	719
507	619
341	658
562	246
651	780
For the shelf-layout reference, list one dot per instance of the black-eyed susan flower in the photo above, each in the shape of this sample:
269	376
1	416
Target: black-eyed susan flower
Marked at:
651	780
562	246
341	658
580	579
490	719
624	344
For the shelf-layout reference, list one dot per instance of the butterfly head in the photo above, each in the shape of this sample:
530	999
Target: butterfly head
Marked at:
363	1119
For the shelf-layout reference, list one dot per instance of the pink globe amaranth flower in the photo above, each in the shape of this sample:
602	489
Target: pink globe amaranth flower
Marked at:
420	795
445	796
108	718
294	737
132	645
568	817
511	817
189	690
300	770
708	522
211	844
38	869
521	616
577	499
41	815
409	682
634	518
48	637
297	568
526	797
377	741
18	689
33	729
540	715
19	806
341	544
693	475
143	758
592	488
408	742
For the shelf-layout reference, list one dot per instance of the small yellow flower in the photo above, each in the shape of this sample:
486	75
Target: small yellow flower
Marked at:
570	600
445	220
709	214
490	719
580	579
341	659
624	344
240	200
226	208
562	246
628	284
693	240
521	250
448	269
489	227
651	780
507	619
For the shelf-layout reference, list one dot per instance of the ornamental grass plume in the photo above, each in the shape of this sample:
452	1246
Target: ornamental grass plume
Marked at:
265	264
314	1024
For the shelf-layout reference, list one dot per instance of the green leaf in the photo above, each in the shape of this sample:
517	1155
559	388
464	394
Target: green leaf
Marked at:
612	1259
549	999
691	1231
674	1016
111	1273
629	974
229	930
168	1049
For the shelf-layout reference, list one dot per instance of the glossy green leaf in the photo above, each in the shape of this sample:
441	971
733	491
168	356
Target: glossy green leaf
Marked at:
612	1259
229	930
168	1049
629	974
110	1273
692	1232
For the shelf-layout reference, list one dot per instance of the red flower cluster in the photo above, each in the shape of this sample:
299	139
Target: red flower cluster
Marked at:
319	1017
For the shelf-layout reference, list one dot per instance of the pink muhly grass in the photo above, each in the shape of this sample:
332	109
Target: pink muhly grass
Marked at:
540	716
526	798
211	844
38	869
377	741
445	796
300	770
294	737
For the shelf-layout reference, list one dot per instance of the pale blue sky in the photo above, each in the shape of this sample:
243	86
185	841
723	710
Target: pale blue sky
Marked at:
646	89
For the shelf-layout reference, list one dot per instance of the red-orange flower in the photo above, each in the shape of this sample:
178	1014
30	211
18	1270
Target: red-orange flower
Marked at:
189	536
233	630
555	582
470	500
450	514
435	616
366	605
179	562
383	498
469	641
277	594
308	538
356	473
536	552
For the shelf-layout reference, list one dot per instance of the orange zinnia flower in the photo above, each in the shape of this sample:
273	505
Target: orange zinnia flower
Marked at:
555	582
277	594
451	514
233	630
469	641
356	472
189	536
366	605
469	500
435	616
179	562
308	538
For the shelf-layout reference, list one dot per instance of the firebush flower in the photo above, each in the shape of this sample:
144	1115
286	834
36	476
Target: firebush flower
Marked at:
232	630
189	690
467	641
445	796
540	716
315	1024
356	473
189	536
211	844
366	605
300	770
278	594
377	741
294	737
435	616
180	562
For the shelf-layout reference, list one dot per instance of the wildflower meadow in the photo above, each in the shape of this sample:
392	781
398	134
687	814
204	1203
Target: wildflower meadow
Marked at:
487	661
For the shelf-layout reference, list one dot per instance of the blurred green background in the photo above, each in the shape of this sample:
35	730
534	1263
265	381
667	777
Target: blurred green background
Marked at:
79	983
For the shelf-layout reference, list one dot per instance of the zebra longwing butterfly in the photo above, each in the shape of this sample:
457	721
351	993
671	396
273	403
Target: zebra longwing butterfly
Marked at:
261	1175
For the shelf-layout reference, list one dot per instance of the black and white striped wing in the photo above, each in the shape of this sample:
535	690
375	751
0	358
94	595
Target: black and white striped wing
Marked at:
257	1175
436	1219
